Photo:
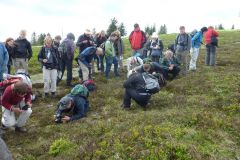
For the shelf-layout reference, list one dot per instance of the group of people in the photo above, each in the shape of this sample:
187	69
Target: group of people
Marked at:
148	64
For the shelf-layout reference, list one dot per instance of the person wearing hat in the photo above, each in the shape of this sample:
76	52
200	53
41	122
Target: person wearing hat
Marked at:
137	39
156	48
196	44
183	45
75	106
84	41
134	90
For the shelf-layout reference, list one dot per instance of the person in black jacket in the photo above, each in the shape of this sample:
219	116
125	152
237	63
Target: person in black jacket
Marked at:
85	41
22	52
48	57
134	89
100	40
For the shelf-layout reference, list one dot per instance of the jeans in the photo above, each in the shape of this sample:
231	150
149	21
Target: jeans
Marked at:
194	56
183	59
3	69
210	58
109	62
141	98
67	63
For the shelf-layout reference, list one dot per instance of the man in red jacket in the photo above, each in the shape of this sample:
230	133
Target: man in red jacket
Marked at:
137	39
16	99
210	58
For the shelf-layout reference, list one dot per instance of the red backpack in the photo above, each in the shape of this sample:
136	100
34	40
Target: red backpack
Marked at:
90	85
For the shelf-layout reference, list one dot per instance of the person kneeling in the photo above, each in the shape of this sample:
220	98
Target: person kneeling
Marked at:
140	87
16	99
170	65
75	104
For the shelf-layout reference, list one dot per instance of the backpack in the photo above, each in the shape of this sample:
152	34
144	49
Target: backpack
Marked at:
62	49
90	85
161	80
79	90
192	34
151	83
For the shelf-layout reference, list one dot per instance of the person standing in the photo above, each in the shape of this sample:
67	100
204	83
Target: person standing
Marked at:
183	46
210	59
156	48
56	41
100	40
48	57
9	44
119	48
196	44
66	50
22	52
137	39
85	41
3	60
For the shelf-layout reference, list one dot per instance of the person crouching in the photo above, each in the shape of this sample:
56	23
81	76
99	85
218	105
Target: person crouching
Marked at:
16	99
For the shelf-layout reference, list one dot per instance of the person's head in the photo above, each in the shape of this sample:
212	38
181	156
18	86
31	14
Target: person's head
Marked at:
58	38
154	35
182	29
65	103
168	54
102	33
113	36
136	26
118	33
88	33
204	29
20	88
10	42
48	41
99	51
71	36
23	34
146	67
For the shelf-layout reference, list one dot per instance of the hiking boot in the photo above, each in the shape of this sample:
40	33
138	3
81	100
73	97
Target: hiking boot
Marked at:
53	95
46	95
20	129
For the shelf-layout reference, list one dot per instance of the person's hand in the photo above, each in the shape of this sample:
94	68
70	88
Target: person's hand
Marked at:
29	104
91	42
17	110
170	68
66	118
85	41
44	60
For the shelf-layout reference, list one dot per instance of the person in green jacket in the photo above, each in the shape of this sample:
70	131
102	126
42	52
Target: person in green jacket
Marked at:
110	55
170	65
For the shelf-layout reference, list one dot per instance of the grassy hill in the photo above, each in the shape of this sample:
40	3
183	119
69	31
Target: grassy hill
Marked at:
193	117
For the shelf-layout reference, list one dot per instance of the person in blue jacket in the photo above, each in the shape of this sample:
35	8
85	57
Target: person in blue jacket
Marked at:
85	58
196	44
3	60
76	107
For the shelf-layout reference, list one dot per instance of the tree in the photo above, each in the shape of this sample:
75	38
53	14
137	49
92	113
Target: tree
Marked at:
163	29
220	27
112	27
150	29
233	27
94	31
41	38
122	29
33	39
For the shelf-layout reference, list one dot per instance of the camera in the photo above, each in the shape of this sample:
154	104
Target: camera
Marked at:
25	107
58	117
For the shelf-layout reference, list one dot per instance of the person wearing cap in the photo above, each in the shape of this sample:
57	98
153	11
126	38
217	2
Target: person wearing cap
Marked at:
9	44
134	90
22	52
156	48
170	65
110	55
16	99
85	58
67	58
84	41
3	60
137	39
75	106
196	44
183	45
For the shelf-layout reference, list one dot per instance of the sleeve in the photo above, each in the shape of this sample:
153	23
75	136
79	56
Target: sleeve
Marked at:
81	109
164	64
40	55
144	38
29	48
161	45
28	98
6	56
157	67
129	81
215	33
140	61
122	46
130	37
7	95
80	41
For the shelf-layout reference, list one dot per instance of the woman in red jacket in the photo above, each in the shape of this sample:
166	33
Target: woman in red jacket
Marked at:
16	99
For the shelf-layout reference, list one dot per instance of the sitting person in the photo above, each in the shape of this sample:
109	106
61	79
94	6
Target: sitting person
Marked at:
85	58
170	65
133	62
76	104
134	90
16	99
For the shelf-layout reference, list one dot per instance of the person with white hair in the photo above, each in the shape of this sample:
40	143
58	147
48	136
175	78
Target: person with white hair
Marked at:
156	48
133	62
22	53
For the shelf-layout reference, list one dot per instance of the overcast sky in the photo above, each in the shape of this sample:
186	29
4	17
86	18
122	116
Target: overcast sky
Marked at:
63	16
